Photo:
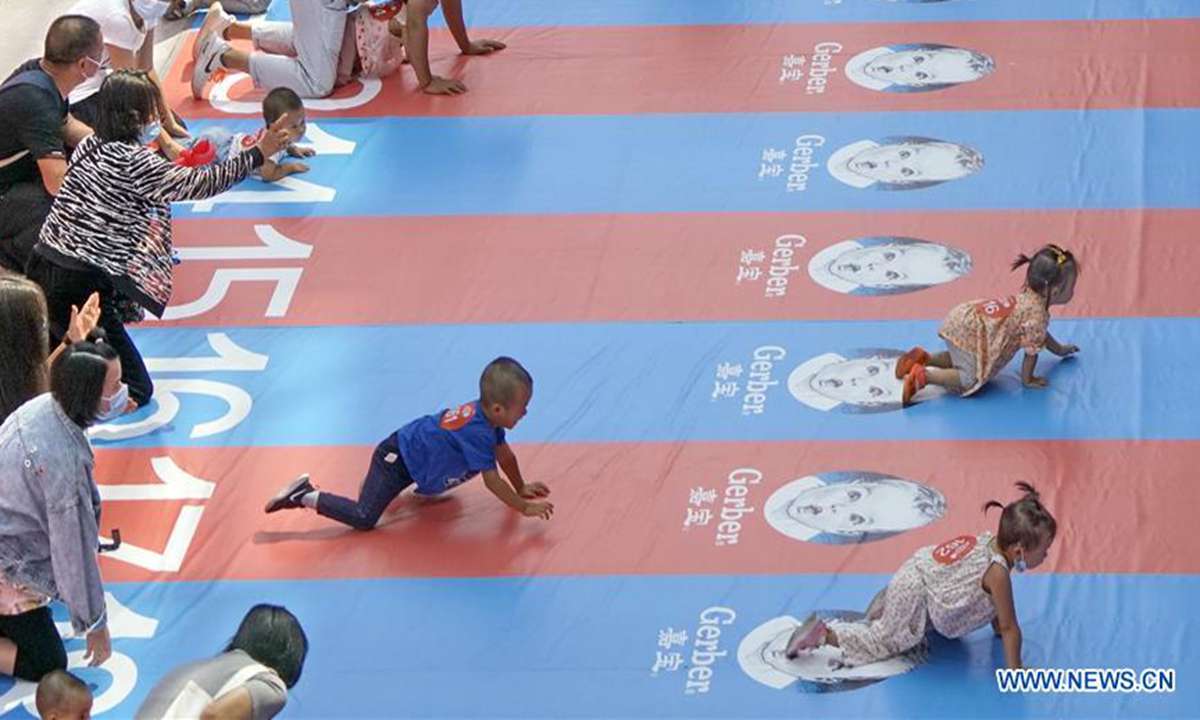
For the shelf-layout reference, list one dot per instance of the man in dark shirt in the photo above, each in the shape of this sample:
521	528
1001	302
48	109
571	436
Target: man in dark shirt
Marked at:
36	127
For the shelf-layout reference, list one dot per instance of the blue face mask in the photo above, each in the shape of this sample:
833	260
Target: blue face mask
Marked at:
1020	565
150	132
113	406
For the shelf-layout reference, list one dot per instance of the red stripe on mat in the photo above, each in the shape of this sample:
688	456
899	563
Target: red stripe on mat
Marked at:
381	270
677	69
621	508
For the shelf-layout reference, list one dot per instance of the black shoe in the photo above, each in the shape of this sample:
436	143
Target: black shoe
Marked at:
289	498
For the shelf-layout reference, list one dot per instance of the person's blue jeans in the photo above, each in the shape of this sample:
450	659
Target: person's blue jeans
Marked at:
386	478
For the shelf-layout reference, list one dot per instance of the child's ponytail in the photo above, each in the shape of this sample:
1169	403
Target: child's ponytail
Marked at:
1029	490
1022	259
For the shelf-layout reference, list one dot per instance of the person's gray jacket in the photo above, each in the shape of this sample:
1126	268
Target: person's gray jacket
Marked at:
50	510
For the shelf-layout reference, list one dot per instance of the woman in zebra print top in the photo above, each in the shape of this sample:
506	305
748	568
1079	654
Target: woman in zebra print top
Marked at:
110	228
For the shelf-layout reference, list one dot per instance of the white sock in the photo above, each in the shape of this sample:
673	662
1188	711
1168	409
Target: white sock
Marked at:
309	500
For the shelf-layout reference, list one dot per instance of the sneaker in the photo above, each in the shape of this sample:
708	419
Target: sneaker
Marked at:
215	23
212	47
289	498
916	356
806	637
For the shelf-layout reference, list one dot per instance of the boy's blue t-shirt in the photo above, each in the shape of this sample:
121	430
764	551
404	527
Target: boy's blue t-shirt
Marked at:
449	447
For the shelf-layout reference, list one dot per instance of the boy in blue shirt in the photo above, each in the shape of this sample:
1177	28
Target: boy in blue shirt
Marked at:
438	452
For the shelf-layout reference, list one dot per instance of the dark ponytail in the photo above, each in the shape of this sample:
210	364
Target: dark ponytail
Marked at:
1022	259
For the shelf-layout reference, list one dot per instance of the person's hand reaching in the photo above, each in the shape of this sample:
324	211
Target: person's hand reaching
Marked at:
276	137
84	321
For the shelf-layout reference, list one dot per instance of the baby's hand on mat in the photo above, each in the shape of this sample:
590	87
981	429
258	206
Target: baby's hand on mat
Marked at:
1068	350
534	490
444	86
541	510
483	47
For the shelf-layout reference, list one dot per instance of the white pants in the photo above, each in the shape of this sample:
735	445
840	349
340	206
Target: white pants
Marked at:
303	54
246	7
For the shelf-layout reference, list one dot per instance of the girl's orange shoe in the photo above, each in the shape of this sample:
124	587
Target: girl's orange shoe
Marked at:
913	382
916	356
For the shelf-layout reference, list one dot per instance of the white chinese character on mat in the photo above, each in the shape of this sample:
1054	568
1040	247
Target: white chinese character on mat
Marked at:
697	517
701	496
748	273
749	257
671	637
773	155
791	61
727	370
766	170
724	389
666	661
791	75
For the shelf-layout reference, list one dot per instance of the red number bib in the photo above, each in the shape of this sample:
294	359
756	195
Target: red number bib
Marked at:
997	309
384	11
954	550
251	139
455	418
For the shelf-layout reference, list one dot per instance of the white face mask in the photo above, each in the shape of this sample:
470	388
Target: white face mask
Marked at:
113	406
151	11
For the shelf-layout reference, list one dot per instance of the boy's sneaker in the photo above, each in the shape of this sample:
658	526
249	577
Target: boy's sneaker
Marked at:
289	498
